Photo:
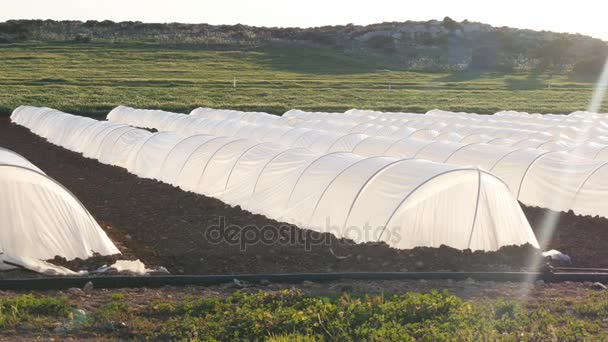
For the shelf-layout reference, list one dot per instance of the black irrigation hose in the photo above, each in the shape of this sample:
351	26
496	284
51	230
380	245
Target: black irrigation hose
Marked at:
206	280
581	269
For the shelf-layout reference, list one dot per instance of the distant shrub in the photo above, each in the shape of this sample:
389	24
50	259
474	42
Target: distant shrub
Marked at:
320	38
384	43
82	39
107	23
554	54
14	27
589	67
450	24
53	80
484	58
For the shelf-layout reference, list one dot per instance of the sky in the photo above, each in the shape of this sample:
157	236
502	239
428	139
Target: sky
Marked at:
581	16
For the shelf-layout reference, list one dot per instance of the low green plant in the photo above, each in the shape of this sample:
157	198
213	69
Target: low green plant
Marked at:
290	315
33	310
86	79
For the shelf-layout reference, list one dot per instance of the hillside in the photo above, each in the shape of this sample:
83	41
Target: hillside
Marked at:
416	46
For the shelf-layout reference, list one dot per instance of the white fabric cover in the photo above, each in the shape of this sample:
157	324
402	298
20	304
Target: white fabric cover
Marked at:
40	219
504	146
36	265
407	202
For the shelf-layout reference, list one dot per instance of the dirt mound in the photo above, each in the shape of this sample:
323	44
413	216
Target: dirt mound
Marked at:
583	238
91	264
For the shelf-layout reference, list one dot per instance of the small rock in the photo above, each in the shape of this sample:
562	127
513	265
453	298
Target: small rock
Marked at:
74	291
403	270
346	288
598	286
60	330
558	256
239	284
540	282
121	325
264	282
79	312
88	287
128	237
79	317
159	270
307	283
334	287
359	257
419	264
469	281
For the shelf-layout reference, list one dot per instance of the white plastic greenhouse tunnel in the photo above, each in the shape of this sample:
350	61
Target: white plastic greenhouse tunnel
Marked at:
534	175
40	219
405	203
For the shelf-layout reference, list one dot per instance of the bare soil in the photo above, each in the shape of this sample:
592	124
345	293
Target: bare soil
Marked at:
466	289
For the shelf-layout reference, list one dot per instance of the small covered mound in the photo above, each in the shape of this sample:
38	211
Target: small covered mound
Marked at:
40	219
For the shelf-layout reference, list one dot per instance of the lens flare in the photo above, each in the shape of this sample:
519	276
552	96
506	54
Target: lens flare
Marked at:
600	91
551	219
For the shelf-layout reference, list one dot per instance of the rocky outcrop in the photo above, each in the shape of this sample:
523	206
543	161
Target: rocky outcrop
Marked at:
432	45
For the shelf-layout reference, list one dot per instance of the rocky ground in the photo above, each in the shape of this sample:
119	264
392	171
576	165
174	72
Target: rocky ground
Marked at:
90	297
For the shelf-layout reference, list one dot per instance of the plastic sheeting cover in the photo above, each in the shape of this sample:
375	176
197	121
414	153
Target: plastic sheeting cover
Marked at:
40	219
321	190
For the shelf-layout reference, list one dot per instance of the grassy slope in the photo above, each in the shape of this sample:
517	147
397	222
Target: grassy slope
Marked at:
93	78
290	315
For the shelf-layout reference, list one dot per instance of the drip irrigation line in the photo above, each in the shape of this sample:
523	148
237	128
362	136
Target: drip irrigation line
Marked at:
56	283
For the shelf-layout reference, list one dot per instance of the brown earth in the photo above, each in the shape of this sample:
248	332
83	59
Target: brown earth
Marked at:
163	225
583	238
465	289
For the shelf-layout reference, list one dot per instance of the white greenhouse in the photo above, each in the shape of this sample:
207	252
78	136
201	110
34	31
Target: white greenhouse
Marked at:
534	175
40	219
405	203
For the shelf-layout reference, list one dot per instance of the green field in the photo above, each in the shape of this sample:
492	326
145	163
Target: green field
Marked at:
90	79
290	315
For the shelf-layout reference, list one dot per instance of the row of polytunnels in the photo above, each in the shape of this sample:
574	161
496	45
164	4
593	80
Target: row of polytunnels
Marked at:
405	202
556	179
